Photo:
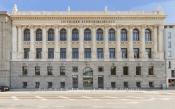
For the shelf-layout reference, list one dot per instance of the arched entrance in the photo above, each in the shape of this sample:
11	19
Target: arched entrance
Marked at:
88	78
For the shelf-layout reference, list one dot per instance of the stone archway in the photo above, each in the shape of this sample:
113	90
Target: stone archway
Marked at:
88	78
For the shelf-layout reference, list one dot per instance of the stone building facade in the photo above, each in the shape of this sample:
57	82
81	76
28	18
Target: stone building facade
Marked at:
5	48
86	50
169	37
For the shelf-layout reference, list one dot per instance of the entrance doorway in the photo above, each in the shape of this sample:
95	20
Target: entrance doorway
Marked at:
88	78
100	82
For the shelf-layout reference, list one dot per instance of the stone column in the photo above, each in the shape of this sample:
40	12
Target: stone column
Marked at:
14	42
57	55
69	43
155	42
130	42
32	43
81	42
20	43
118	44
44	46
161	28
106	51
94	49
142	35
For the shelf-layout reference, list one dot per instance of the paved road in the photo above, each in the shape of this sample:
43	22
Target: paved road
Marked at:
88	100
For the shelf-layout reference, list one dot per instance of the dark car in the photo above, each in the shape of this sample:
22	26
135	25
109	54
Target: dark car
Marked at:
4	88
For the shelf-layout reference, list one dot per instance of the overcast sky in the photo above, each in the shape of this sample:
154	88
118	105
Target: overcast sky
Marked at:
55	5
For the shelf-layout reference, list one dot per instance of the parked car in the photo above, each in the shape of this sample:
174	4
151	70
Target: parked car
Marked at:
4	88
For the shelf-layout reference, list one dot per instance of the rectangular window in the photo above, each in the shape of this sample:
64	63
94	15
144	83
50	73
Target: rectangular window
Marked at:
169	53
75	81
138	70
113	85
38	53
74	69
100	54
148	53
75	53
49	84
124	52
24	85
49	70
26	53
37	70
136	53
62	85
125	84
62	53
169	64
62	70
113	70
151	84
87	53
169	44
138	84
24	70
169	35
50	53
100	69
37	84
125	70
112	53
173	73
151	70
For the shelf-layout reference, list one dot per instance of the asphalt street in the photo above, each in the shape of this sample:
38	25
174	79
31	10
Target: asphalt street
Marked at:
87	100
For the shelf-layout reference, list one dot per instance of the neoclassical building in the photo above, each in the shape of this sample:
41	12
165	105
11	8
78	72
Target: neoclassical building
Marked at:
86	50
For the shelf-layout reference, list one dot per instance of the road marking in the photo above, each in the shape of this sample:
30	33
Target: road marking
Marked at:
86	97
133	102
109	97
15	98
66	98
39	97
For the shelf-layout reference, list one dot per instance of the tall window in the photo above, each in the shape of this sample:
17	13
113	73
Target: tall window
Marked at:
173	73
148	52
124	52
151	70
37	84
111	35
125	70
63	35
49	70
75	53
148	35
87	53
24	85
51	35
38	35
37	70
24	70
113	70
100	54
38	53
136	53
49	85
87	34
62	70
75	35
135	35
26	53
99	35
62	53
138	70
124	36
50	53
112	53
26	35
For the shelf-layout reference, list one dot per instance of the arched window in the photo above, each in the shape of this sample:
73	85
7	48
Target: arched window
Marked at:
75	35
99	35
136	35
124	36
38	35
111	34
63	35
148	35
26	35
51	35
87	34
